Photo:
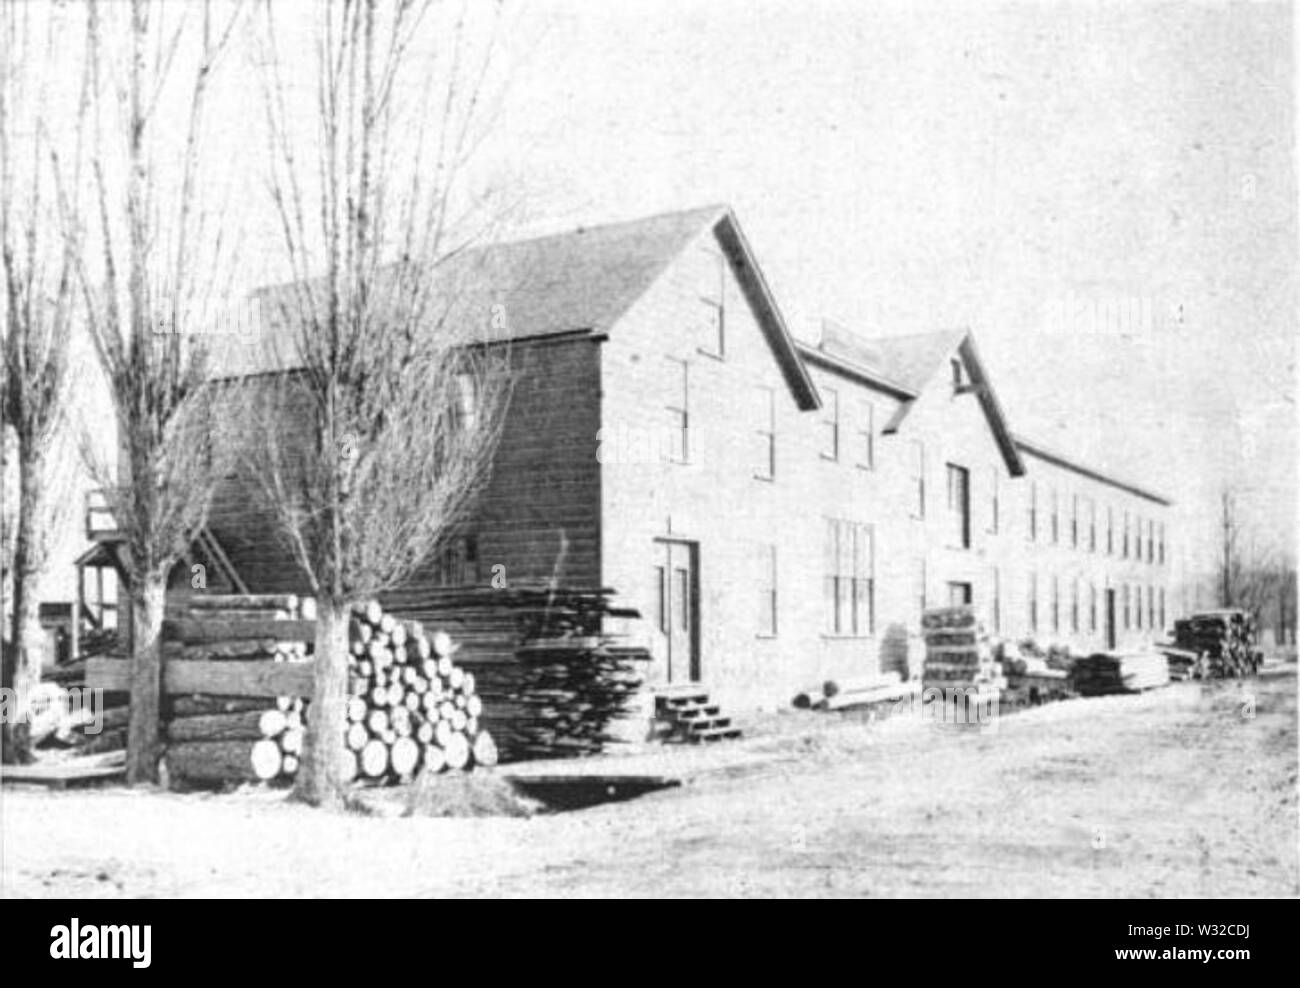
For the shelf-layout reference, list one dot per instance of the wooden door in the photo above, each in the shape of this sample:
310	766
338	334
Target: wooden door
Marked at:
676	608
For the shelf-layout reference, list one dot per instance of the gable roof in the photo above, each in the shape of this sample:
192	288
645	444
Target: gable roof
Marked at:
1037	449
580	281
904	367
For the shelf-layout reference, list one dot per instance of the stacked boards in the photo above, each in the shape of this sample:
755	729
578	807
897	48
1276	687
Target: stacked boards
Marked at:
958	654
1120	672
1225	640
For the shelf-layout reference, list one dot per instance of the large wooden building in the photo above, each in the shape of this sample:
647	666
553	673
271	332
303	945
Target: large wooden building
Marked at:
779	512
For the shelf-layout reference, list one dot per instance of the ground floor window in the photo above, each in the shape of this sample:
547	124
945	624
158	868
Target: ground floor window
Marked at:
848	583
456	563
767	590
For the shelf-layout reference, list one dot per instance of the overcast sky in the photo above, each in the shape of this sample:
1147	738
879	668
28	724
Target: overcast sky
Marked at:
1015	168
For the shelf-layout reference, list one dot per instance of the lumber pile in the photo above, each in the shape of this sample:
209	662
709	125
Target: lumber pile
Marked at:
1225	639
850	692
562	697
958	654
1184	663
1119	672
490	624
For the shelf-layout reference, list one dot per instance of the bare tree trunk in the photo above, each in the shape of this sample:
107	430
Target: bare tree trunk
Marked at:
29	562
148	604
321	778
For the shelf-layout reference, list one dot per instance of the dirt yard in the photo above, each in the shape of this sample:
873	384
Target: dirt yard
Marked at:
1186	791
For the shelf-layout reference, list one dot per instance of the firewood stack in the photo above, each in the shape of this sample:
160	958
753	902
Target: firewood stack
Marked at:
958	654
1224	639
412	708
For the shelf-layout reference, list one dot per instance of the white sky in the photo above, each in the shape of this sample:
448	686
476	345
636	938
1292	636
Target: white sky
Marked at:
905	167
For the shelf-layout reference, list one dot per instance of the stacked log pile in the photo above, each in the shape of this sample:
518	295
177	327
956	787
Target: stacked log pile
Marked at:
1225	640
1119	672
411	707
958	654
226	737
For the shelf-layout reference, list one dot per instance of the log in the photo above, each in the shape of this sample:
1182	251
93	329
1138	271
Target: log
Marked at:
357	737
435	759
192	706
228	677
457	751
266	759
257	601
213	761
199	631
374	759
404	756
291	741
245	726
485	750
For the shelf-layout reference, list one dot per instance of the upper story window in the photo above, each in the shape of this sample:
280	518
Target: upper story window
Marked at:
830	423
712	329
1124	551
765	451
1092	525
1151	541
1110	530
1074	521
994	507
958	373
1056	517
1162	549
678	411
959	506
918	478
456	562
1033	511
767	590
867	438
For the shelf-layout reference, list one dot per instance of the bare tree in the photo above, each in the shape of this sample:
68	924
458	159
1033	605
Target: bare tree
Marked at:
150	273
395	381
38	296
1253	575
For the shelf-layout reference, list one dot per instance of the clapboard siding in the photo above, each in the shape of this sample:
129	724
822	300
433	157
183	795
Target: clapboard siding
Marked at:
538	514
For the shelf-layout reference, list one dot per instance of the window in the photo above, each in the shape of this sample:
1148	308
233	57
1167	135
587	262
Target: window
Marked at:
1074	605
1137	606
1092	607
767	591
1074	521
1092	525
661	599
713	320
1124	553
456	562
959	594
959	506
1151	608
1033	511
830	424
1056	517
867	438
678	415
849	586
958	373
993	501
918	479
1126	608
1162	608
920	584
1056	603
465	403
1162	550
1151	541
765	452
997	601
1110	531
1033	602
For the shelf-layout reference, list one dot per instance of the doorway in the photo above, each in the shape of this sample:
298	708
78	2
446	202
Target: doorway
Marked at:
1110	619
676	609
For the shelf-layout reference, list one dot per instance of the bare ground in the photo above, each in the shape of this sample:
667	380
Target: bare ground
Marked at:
1185	791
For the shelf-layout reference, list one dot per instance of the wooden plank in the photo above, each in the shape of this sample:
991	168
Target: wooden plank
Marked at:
267	601
227	677
235	677
195	631
242	726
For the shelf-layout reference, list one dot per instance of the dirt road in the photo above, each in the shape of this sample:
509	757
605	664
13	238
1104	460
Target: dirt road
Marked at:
1186	791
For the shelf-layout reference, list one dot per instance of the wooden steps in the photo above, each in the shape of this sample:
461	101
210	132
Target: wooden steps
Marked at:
685	714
